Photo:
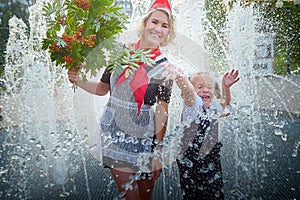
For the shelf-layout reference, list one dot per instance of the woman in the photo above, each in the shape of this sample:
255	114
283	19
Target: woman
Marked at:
130	128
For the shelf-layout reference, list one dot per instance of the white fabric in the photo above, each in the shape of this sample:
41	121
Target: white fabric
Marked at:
190	113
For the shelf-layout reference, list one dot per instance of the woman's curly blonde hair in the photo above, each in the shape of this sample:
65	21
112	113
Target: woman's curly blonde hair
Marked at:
171	34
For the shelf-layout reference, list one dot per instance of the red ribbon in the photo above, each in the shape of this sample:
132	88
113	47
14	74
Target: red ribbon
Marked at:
139	83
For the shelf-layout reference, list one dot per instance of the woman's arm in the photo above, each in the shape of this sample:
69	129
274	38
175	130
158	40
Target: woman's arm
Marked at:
161	119
97	88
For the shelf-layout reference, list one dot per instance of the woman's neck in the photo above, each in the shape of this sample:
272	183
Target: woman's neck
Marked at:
146	45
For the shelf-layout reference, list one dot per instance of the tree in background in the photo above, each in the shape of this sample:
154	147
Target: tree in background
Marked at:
286	24
281	16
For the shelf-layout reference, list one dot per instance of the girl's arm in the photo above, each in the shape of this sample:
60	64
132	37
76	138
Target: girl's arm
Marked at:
187	89
226	96
228	80
174	73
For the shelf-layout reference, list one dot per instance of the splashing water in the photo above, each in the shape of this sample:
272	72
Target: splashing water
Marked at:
42	142
46	133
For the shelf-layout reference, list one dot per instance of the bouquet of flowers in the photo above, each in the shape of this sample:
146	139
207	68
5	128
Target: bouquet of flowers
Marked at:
84	31
77	27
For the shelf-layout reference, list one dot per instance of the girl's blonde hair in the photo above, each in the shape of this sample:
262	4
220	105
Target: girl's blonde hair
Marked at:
217	90
171	34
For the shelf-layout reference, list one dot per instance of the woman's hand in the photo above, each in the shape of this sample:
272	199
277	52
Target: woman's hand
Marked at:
230	78
73	75
156	168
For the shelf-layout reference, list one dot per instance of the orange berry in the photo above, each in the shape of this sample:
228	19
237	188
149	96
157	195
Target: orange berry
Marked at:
83	4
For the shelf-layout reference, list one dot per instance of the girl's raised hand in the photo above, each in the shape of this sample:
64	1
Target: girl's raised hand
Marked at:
172	72
230	78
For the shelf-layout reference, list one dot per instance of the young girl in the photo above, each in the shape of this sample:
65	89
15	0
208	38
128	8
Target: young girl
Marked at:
199	163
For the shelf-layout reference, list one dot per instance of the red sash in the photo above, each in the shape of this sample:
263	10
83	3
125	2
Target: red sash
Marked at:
139	83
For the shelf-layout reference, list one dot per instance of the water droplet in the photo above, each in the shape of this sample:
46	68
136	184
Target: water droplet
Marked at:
14	157
217	176
127	186
146	142
122	194
64	194
3	171
135	140
204	170
43	156
38	144
32	140
27	156
277	131
284	137
121	136
68	132
211	166
185	175
295	149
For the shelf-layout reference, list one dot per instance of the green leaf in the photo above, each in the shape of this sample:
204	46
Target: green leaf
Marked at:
127	73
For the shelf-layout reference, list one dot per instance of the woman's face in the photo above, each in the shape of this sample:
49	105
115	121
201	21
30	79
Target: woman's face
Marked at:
156	29
204	87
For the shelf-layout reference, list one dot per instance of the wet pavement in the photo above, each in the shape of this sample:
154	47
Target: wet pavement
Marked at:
273	174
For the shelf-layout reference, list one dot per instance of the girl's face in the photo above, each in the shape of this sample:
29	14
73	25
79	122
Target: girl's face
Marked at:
204	87
156	29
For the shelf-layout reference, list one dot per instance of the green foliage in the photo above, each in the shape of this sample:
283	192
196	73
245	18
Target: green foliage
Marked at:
128	58
1	70
215	25
285	27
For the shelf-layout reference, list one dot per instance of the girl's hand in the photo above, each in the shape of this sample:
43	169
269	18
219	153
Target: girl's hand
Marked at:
172	72
230	78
